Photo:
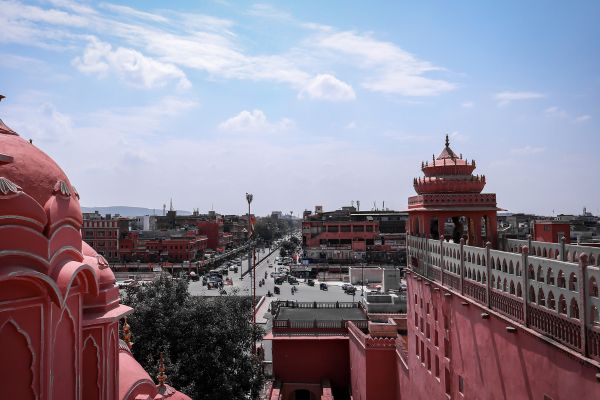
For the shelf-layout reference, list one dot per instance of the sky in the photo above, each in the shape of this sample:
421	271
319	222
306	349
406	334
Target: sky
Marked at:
306	103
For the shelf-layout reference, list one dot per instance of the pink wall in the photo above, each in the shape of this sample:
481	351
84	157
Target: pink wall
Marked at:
309	359
493	362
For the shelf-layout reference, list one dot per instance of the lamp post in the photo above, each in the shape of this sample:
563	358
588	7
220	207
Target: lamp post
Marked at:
251	267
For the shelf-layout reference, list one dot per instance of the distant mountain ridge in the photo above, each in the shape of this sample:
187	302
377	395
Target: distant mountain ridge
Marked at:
126	211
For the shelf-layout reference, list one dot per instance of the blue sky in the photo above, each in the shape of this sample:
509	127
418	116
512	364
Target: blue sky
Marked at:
306	103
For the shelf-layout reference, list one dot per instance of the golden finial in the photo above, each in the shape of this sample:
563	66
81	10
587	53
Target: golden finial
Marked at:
161	371
127	334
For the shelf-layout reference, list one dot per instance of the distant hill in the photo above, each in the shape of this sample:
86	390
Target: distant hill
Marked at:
126	211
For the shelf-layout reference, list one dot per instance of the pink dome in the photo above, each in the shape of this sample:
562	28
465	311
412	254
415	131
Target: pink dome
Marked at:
32	169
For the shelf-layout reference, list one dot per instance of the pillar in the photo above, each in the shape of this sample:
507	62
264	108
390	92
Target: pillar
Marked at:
583	299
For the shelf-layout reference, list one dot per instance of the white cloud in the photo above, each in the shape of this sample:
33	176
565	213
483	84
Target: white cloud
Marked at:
527	150
327	87
395	70
254	121
351	125
556	112
130	65
506	97
582	118
268	11
467	104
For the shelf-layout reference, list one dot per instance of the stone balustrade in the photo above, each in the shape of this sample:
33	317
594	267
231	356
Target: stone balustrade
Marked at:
549	291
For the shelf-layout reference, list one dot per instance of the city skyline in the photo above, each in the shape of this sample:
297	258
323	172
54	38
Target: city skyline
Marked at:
305	104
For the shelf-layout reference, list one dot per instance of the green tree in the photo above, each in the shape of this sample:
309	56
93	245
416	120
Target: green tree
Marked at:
207	342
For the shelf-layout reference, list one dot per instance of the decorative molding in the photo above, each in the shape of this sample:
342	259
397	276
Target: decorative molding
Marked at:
62	188
23	333
8	187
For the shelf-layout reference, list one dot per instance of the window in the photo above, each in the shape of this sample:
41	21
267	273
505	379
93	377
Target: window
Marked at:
417	345
422	324
345	228
427	308
333	228
447	381
461	385
435	316
429	360
416	320
358	228
369	228
435	338
446	348
427	330
423	352
437	367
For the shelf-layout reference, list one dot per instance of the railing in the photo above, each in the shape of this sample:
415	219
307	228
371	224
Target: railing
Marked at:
315	327
312	304
557	297
556	251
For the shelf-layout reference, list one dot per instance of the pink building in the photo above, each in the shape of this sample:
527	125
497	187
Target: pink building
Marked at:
59	306
521	323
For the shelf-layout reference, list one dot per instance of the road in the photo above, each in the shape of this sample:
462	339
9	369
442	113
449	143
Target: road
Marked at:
304	293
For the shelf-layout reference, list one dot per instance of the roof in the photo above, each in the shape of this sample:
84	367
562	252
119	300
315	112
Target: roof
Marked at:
321	314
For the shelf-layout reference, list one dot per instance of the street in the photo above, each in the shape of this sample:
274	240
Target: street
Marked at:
304	292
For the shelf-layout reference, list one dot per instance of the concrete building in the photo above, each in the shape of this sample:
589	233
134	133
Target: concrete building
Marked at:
103	232
350	236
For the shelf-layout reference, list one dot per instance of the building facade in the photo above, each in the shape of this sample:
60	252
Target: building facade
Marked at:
59	305
486	318
103	232
351	236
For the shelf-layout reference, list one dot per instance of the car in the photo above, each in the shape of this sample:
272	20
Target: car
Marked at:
232	267
323	286
350	290
291	280
310	282
276	290
346	286
279	280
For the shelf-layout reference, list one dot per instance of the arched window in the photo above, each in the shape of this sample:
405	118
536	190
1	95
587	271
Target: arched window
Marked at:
551	254
519	291
549	276
560	280
504	287
512	287
557	255
573	281
531	272
562	305
504	268
498	283
591	260
593	287
493	281
492	263
531	294
511	269
574	309
540	274
483	261
478	276
541	298
544	253
551	301
478	260
483	279
594	315
518	269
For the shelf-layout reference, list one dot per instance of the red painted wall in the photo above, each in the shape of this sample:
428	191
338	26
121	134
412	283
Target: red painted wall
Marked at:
308	359
493	363
551	232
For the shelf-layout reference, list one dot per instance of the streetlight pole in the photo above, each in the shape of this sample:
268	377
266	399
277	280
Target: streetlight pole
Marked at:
252	259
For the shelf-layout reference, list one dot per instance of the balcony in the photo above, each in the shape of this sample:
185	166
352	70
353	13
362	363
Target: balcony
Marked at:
557	298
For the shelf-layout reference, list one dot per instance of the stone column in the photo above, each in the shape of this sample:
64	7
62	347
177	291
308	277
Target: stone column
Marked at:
563	249
477	231
462	266
488	271
442	264
583	300
525	281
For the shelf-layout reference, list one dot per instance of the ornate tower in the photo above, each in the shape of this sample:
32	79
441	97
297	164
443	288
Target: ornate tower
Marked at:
449	192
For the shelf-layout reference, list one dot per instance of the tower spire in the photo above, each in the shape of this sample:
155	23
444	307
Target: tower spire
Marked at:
447	141
161	371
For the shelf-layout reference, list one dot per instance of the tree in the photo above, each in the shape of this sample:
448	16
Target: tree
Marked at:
207	342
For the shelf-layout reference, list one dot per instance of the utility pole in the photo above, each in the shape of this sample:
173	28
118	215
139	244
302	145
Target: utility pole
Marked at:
252	269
